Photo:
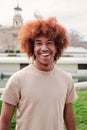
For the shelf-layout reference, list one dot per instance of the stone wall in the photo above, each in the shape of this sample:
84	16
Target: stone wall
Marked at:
9	38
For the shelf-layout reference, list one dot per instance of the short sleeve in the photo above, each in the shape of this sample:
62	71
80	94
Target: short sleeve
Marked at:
71	92
11	93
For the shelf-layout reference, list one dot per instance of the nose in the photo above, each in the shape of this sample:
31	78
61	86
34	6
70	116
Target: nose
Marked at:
44	47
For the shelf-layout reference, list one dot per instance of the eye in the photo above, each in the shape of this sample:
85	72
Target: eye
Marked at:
50	42
38	43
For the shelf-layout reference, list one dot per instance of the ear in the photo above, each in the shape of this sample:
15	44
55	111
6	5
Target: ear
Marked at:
56	51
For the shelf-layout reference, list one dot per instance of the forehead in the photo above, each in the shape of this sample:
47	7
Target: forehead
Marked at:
43	38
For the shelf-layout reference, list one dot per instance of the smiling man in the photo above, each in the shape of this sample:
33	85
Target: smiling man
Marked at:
44	51
42	93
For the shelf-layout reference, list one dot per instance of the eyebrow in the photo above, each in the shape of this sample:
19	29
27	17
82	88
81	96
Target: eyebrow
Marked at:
50	40
37	40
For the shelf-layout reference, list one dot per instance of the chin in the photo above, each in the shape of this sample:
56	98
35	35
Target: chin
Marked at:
46	63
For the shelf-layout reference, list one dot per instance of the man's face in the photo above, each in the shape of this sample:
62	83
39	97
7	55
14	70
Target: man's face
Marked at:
44	51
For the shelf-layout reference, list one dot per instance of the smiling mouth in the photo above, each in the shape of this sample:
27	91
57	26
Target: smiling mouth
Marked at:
45	54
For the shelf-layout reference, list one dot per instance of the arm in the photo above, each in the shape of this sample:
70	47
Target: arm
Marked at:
6	116
69	117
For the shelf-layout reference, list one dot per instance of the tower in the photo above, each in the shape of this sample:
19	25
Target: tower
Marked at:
17	19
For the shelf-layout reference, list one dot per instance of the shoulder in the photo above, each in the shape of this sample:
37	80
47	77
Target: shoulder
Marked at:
62	74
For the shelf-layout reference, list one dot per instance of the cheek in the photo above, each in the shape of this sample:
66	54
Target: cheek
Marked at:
55	50
36	49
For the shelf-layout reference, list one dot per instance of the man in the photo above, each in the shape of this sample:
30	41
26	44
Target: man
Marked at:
42	93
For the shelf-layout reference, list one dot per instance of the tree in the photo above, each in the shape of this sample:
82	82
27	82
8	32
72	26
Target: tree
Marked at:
75	38
37	15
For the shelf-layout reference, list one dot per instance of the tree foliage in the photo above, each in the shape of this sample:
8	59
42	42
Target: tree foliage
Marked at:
75	38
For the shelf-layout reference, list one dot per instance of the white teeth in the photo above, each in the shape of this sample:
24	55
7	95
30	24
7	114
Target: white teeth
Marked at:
45	54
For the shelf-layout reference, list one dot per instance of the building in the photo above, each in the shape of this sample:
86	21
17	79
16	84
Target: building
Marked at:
8	35
73	61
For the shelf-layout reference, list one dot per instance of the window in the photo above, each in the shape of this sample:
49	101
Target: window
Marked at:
22	65
82	66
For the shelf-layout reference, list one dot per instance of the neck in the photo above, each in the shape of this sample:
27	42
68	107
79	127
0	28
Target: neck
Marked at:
43	67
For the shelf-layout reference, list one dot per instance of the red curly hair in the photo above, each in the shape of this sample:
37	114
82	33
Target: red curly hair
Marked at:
49	28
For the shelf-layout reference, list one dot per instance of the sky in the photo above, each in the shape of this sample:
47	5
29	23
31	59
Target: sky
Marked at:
72	14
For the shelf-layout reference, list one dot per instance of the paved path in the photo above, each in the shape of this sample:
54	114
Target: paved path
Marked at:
80	85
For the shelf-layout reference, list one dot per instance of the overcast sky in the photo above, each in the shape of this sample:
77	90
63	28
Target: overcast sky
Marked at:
72	14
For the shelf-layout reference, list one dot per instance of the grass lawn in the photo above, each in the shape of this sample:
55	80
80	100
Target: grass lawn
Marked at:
80	110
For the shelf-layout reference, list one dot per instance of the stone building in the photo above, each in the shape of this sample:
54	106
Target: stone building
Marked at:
9	35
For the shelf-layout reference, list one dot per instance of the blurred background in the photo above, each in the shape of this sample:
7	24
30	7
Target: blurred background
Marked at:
69	13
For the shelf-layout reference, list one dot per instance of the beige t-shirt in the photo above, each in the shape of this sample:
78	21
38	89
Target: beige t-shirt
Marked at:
40	97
